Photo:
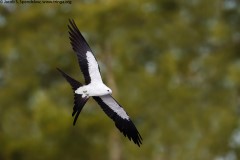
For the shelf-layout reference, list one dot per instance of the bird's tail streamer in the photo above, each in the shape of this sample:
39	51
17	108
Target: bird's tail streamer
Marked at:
79	102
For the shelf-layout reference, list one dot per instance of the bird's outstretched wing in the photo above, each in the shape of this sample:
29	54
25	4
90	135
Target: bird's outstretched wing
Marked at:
79	102
122	121
86	59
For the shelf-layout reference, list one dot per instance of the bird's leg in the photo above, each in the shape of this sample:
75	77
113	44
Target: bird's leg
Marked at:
85	95
81	90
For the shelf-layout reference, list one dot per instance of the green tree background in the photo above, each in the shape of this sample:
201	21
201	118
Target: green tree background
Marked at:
173	64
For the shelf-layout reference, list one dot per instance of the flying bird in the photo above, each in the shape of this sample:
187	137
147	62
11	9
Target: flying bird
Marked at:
95	88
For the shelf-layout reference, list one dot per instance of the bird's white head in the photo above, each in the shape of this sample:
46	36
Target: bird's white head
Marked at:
109	91
103	90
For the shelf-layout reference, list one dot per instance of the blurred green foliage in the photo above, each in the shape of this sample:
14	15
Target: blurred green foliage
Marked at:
175	67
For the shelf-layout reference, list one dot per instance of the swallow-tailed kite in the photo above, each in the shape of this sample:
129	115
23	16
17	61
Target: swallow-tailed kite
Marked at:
94	87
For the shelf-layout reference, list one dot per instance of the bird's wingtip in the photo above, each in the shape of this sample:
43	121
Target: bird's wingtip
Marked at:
59	70
70	20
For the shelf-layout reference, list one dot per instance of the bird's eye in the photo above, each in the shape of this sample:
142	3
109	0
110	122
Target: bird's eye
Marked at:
108	90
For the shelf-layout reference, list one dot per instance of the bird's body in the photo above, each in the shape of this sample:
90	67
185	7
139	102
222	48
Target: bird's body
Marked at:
94	87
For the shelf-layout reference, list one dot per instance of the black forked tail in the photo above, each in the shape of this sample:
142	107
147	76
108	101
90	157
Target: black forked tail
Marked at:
74	83
79	102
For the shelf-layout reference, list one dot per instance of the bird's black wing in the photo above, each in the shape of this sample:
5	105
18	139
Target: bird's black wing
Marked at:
122	121
86	59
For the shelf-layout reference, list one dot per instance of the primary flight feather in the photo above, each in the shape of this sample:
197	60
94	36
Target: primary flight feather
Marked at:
94	87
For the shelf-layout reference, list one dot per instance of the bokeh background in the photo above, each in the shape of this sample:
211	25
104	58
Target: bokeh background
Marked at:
173	64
